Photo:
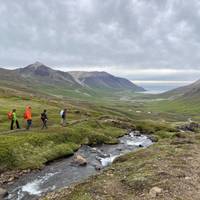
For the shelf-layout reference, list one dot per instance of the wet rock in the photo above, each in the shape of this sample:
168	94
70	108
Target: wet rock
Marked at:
119	149
9	176
98	167
137	133
102	155
3	193
11	179
129	131
79	160
153	138
93	150
155	191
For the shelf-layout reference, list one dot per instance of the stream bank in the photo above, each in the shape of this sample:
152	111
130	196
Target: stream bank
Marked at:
65	172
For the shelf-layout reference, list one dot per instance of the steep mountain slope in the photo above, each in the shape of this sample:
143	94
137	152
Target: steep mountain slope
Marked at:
103	80
38	79
186	92
40	73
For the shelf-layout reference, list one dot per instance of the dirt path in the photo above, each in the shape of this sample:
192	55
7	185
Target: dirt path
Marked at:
71	123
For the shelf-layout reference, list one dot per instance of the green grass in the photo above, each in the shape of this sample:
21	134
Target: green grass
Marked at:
34	148
152	127
132	174
180	108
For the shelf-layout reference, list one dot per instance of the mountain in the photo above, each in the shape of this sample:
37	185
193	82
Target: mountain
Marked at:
38	77
186	92
42	74
104	80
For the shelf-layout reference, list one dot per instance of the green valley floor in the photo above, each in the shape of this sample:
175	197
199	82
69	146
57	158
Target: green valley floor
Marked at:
172	164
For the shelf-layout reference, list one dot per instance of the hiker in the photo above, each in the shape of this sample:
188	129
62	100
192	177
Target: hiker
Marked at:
44	119
63	114
28	117
13	117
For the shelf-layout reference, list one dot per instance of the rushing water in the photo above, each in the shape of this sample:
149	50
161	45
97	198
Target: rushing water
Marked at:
64	172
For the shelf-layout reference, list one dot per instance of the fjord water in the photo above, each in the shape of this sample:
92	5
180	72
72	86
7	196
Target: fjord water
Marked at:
64	172
156	87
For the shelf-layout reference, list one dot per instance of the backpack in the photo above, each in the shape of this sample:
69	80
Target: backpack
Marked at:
10	115
43	116
61	113
25	115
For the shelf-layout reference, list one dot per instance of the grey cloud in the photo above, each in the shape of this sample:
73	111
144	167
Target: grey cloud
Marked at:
125	34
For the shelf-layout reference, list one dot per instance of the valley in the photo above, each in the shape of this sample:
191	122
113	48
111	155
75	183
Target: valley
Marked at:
99	100
99	118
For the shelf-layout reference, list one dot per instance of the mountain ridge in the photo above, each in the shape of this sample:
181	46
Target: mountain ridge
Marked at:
43	78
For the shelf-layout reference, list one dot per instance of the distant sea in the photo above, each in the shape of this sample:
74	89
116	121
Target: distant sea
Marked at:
156	87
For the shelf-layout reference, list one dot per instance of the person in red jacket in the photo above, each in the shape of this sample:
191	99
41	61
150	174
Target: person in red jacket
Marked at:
28	117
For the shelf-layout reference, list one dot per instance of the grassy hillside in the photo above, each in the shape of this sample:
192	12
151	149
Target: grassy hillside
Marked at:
89	122
182	108
32	149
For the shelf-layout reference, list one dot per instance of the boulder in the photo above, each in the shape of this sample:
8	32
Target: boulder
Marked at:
155	191
153	138
80	160
3	193
137	133
93	150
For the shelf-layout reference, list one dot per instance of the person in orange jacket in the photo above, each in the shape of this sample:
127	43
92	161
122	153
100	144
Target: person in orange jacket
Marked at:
28	117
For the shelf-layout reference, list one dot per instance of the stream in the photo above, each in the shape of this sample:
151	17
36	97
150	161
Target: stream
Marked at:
64	172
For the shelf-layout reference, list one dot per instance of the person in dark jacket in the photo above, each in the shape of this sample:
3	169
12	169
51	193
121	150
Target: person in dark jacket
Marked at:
14	120
44	119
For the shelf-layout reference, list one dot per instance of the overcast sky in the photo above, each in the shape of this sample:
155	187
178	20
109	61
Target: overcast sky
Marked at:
138	39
